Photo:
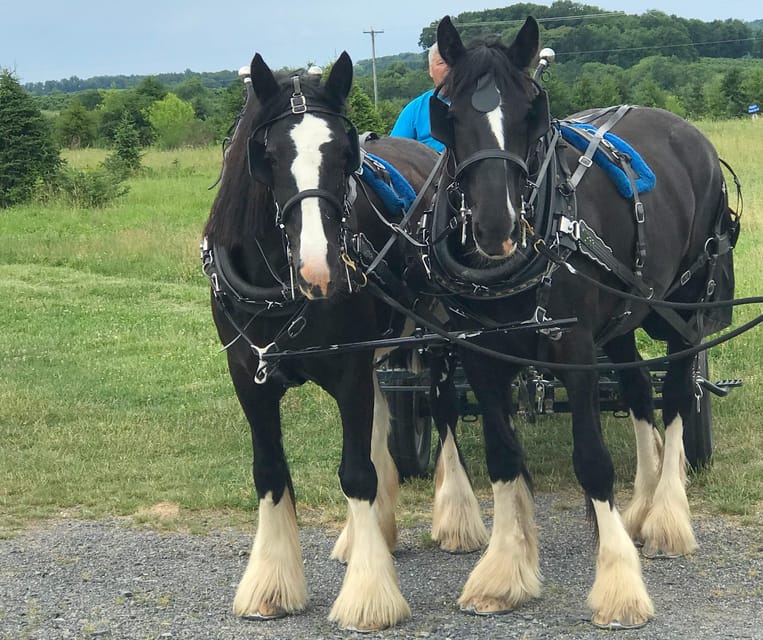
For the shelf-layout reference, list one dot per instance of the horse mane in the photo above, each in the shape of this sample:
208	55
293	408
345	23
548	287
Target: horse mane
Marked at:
485	56
244	207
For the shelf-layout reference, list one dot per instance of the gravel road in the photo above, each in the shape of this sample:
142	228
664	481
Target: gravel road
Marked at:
112	579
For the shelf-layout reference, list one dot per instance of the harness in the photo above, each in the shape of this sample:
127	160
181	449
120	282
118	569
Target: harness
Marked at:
552	230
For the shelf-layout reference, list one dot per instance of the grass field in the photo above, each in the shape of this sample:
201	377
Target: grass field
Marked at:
114	396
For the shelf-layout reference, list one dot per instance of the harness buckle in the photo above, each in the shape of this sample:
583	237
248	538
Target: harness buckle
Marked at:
570	227
640	212
298	104
585	161
427	265
685	277
215	283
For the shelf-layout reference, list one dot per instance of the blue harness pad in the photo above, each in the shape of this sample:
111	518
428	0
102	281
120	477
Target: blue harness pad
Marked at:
646	178
399	196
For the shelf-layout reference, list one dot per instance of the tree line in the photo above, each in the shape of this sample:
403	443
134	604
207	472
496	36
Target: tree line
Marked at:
693	68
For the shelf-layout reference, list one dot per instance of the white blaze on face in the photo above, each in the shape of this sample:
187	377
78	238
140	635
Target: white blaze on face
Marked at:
495	120
308	136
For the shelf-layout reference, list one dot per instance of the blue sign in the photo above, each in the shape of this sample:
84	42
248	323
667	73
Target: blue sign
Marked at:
753	108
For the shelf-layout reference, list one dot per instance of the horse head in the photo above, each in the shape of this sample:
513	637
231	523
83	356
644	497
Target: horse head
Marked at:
495	116
305	150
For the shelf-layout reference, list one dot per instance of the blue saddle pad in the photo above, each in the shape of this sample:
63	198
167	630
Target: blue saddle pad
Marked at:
646	178
397	197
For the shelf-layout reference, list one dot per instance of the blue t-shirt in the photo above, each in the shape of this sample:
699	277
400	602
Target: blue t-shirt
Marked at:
413	122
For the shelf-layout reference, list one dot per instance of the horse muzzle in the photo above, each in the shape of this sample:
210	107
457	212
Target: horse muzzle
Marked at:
494	244
314	281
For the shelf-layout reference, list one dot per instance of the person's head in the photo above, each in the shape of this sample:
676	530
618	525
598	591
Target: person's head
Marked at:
437	66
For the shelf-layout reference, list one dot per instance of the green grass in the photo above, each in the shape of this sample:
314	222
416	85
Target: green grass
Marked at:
114	396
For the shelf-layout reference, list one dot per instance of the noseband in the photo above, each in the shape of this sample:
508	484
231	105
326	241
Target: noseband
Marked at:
342	208
491	154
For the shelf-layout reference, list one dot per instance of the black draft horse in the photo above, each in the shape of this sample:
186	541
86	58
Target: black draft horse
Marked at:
287	222
492	126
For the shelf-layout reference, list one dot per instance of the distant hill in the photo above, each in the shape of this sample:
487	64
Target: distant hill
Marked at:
414	61
209	79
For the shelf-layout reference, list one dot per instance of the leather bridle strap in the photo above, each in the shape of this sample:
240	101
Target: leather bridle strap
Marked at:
491	154
323	194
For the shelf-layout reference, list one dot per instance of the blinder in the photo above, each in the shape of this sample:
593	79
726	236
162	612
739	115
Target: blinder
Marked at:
486	98
259	168
540	116
440	124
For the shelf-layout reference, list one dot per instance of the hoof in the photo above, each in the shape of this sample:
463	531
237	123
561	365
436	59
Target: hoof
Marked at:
363	629
458	551
262	616
486	608
616	625
659	554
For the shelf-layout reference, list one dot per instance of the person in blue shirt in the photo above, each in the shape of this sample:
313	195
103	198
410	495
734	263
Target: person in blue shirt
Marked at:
413	121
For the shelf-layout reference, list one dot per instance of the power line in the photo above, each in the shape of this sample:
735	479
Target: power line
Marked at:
498	23
656	46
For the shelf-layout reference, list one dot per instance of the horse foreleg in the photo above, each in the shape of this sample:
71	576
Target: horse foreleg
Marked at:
508	573
370	596
273	584
456	517
667	529
388	485
618	597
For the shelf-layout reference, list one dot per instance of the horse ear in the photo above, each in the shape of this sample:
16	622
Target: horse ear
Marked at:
339	81
264	82
525	46
449	42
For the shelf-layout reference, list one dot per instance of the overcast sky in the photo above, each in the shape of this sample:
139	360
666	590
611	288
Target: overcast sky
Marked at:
44	40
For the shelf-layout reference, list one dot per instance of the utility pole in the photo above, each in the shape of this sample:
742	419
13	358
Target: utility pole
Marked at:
373	61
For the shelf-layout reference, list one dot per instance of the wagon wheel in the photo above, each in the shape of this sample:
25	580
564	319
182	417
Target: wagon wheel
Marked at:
410	436
698	431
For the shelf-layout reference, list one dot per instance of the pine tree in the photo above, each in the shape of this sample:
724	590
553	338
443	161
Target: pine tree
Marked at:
27	150
127	143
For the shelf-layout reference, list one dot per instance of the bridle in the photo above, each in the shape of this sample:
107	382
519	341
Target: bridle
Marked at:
484	99
260	170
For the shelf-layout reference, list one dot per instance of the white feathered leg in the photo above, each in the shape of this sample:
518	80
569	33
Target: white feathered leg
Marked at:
388	481
370	597
508	573
273	584
648	455
618	596
667	529
456	518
